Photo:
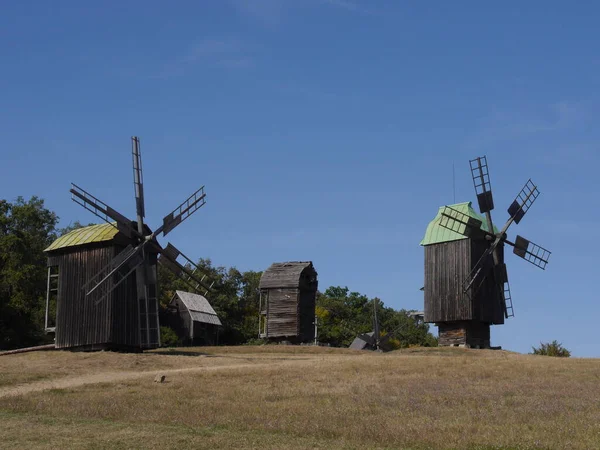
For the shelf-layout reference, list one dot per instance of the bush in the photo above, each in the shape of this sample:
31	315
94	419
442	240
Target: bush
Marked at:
554	348
256	341
168	337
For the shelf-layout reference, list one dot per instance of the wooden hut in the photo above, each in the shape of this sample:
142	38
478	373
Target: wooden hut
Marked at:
85	322
462	319
193	319
287	302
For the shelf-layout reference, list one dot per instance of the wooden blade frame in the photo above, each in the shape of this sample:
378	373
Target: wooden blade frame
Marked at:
102	210
530	252
168	258
121	267
523	201
480	271
461	223
183	211
138	179
481	182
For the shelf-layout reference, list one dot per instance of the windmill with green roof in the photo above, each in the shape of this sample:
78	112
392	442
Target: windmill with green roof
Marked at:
466	281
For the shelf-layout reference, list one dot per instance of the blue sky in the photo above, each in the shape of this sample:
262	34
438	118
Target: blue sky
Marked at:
324	130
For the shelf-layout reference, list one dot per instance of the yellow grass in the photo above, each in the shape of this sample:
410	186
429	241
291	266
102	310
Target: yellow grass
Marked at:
299	397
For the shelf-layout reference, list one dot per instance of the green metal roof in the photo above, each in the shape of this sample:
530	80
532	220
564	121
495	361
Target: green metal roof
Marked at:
436	233
85	235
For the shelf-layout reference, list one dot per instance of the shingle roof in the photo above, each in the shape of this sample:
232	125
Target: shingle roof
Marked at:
436	233
283	275
199	308
85	235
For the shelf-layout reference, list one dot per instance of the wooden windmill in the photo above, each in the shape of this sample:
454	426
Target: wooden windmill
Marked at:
104	278
466	281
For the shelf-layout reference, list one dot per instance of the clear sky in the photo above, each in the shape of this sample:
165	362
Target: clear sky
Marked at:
324	130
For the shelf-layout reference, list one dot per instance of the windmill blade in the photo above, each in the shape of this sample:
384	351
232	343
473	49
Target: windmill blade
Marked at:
501	280
479	272
523	201
168	258
121	266
192	204
138	179
483	187
461	223
530	252
102	210
507	299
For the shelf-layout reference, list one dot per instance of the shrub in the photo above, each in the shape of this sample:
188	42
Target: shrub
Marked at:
168	337
256	341
553	348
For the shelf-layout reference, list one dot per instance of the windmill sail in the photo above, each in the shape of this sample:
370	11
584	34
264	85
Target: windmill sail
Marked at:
183	211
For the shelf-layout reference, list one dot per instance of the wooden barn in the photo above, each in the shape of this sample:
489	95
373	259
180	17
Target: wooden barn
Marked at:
287	302
112	321
193	319
462	319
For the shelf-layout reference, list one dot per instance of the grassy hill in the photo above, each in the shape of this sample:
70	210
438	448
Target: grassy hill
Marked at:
299	397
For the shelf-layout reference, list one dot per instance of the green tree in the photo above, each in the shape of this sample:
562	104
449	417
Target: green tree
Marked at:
553	348
71	227
342	315
234	296
26	229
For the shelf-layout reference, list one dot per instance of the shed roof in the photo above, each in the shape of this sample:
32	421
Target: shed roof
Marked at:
284	275
359	344
198	306
85	235
436	233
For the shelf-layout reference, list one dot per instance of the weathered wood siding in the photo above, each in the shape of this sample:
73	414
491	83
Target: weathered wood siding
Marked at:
80	322
446	266
487	304
288	296
282	313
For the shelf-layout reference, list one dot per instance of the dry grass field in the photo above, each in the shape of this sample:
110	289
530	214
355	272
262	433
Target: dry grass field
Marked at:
299	397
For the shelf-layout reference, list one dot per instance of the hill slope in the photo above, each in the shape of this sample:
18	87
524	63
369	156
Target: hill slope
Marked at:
299	397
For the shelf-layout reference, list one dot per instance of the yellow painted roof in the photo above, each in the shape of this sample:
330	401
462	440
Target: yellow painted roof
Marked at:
85	235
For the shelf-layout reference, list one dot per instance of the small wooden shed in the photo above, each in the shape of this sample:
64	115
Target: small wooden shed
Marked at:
194	319
288	293
82	322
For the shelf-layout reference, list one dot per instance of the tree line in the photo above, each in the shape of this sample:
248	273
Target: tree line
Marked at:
27	227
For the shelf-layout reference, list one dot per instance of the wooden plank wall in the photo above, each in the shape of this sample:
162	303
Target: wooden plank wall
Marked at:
487	304
126	314
446	267
282	318
80	321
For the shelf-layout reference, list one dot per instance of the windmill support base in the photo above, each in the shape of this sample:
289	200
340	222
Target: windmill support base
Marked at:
470	334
